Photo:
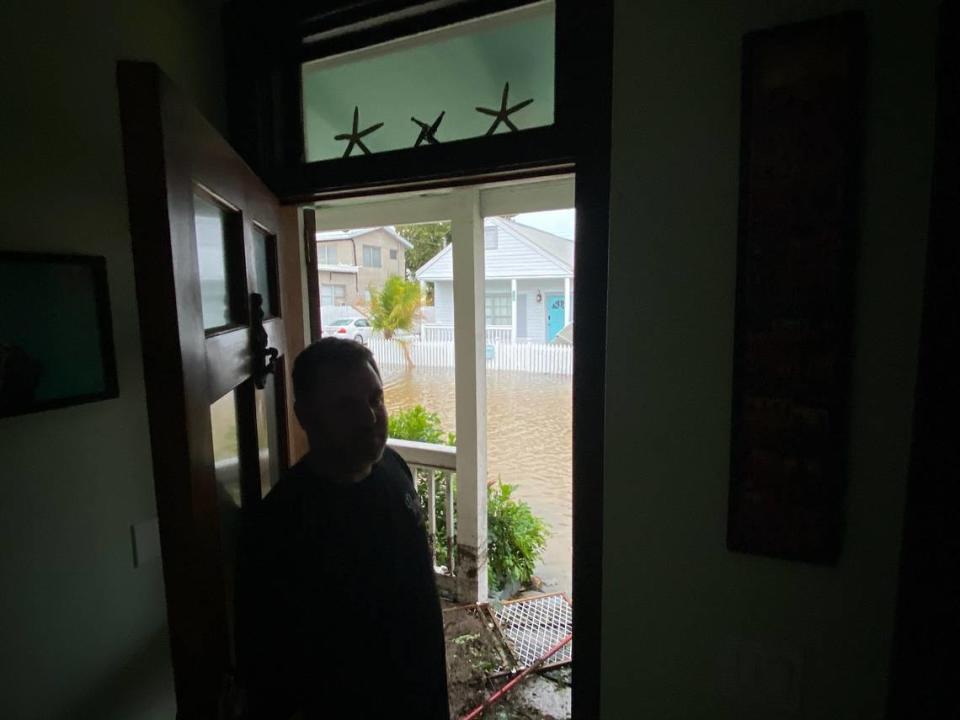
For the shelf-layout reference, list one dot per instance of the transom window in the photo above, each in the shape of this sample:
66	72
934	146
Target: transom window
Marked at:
491	75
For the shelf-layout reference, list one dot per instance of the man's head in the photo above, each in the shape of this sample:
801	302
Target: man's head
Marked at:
339	403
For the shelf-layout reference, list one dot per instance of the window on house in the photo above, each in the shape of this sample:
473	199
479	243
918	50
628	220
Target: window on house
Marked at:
499	311
393	254
491	238
372	257
327	254
333	294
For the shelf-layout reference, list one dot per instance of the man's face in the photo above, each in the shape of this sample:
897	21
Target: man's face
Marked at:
346	420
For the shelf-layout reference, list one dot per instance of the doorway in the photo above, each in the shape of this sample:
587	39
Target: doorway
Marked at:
480	395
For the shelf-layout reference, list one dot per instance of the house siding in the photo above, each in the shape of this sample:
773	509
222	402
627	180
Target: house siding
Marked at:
350	252
536	314
502	262
372	277
443	301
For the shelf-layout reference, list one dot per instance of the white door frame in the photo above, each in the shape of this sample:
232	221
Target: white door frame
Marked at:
465	208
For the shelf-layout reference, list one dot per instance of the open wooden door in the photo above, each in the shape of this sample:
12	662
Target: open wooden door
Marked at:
218	286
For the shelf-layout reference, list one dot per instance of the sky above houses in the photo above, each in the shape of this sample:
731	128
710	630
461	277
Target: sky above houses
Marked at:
558	222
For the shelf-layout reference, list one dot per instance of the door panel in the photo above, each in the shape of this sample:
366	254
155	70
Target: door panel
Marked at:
206	233
554	315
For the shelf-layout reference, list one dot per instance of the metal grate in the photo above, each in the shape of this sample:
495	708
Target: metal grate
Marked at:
532	626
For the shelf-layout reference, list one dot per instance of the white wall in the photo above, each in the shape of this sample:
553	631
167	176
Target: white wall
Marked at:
443	302
676	602
83	632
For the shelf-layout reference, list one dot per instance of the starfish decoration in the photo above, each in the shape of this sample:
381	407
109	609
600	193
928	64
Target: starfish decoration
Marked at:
427	132
356	136
503	114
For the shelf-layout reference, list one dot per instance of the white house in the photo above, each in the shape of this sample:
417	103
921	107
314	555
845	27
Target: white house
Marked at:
529	283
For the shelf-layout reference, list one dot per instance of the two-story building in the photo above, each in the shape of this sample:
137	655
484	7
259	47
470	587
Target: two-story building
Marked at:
352	262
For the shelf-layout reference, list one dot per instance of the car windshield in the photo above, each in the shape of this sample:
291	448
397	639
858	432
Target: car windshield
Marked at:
342	321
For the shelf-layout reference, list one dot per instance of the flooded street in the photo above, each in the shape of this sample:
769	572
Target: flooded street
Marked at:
529	420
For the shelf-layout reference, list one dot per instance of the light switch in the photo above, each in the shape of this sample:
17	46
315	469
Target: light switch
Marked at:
146	541
760	675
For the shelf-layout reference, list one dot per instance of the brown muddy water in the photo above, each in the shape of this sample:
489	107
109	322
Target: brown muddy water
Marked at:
529	445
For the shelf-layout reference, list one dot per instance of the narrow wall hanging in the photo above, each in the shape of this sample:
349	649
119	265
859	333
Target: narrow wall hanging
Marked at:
800	139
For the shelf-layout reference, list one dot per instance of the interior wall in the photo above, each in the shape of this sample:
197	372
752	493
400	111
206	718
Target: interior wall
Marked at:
84	631
691	630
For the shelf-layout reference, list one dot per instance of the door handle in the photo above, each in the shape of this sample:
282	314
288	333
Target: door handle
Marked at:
264	358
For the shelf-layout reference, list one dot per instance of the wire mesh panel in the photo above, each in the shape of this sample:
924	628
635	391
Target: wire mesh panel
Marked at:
532	626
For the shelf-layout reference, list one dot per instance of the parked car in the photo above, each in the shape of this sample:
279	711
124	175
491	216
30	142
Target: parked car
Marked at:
357	329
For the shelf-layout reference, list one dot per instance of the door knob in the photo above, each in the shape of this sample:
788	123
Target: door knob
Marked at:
264	358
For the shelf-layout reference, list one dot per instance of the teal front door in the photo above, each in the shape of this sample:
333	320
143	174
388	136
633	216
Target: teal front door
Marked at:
554	315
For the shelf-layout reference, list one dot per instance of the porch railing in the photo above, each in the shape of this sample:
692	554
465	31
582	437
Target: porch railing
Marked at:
434	470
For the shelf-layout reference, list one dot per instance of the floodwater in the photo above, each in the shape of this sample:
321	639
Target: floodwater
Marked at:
529	445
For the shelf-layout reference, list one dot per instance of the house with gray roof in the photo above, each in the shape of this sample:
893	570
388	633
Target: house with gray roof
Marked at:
529	284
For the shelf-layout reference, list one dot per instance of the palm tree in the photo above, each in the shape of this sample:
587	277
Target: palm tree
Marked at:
394	308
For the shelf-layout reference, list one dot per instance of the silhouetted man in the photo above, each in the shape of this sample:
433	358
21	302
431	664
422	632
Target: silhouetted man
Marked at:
338	610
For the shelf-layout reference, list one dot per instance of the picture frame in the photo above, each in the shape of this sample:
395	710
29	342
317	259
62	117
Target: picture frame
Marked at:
56	333
799	186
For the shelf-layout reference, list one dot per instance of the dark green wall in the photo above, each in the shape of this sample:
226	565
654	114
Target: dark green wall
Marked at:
83	631
684	619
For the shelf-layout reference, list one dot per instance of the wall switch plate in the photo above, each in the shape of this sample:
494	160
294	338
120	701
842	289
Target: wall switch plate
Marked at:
763	676
145	536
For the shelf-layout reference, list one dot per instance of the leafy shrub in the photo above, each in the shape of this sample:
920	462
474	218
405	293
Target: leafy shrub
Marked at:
517	537
417	424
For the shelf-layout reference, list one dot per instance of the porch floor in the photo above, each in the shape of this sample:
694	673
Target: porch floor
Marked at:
477	659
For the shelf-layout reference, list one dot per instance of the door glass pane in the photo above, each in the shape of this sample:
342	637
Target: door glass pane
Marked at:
263	259
226	454
210	223
226	463
268	436
407	84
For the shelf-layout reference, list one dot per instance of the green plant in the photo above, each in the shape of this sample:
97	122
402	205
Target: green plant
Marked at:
417	424
517	538
427	239
394	307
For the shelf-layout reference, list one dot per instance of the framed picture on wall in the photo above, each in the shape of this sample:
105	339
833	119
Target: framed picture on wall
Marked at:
799	184
56	337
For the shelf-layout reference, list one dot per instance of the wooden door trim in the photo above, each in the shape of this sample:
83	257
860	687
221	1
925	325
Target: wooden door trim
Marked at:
195	629
170	151
228	361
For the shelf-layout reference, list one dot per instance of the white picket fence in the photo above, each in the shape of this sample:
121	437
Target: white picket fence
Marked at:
521	357
444	333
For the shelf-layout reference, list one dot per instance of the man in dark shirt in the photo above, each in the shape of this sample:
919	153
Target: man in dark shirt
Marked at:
338	613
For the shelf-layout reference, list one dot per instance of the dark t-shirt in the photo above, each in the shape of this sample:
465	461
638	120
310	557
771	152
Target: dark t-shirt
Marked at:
338	613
